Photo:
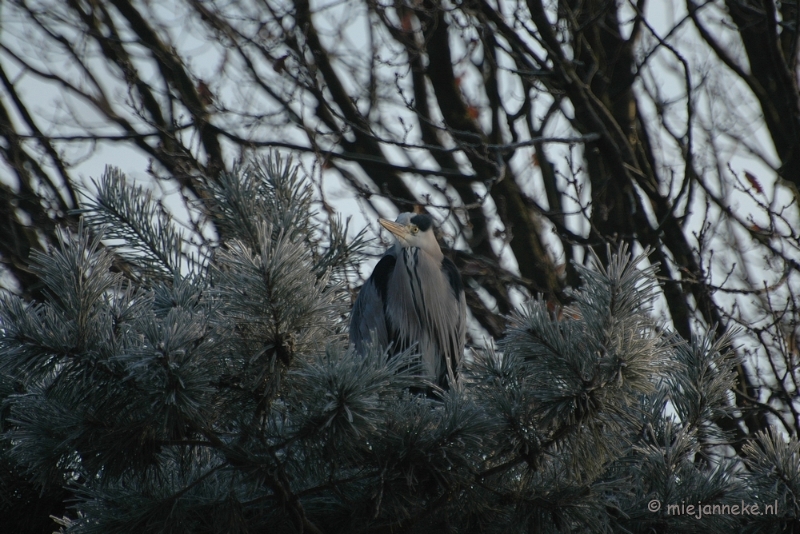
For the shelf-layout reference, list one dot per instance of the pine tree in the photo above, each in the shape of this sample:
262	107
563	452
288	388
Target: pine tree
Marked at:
172	385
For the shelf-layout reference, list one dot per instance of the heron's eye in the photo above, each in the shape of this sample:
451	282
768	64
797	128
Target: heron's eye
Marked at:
414	229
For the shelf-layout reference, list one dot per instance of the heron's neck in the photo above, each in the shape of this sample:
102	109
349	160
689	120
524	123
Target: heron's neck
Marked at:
436	253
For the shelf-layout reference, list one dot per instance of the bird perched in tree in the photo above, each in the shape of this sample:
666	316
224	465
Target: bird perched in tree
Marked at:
414	295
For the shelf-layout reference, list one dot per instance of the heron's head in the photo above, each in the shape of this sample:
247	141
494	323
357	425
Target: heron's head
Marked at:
414	230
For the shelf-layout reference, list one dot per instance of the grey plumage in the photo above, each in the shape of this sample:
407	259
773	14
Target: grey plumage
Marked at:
414	295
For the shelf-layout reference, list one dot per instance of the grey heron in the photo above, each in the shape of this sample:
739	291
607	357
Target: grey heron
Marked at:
414	295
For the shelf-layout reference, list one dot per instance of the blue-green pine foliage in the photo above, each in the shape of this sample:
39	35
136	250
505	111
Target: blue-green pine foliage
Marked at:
174	383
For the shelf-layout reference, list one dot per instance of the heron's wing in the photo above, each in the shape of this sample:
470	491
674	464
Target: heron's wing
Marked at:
368	318
458	320
454	277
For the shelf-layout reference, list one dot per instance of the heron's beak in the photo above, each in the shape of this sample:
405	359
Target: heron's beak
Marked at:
399	231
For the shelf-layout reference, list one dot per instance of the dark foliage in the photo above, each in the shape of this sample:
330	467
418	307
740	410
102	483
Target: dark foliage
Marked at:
212	391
